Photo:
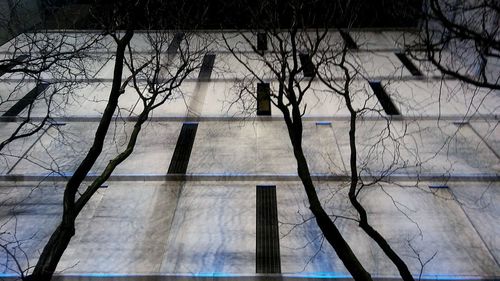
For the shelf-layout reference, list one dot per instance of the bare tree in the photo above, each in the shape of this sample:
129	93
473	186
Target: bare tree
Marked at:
55	64
291	48
155	76
41	69
317	54
461	39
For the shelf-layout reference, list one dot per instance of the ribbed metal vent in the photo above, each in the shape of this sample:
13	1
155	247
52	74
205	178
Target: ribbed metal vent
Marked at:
268	247
28	99
182	152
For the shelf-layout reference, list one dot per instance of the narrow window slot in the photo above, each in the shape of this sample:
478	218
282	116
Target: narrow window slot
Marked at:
206	67
182	152
434	186
261	42
351	44
263	99
28	99
384	99
307	65
267	244
409	64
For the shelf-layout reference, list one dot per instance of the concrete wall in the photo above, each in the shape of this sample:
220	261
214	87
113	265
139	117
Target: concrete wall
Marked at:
145	222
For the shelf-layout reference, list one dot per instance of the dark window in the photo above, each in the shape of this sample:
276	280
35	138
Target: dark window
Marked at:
261	42
176	43
28	99
384	99
268	246
307	65
263	99
409	64
182	152
438	186
206	67
348	40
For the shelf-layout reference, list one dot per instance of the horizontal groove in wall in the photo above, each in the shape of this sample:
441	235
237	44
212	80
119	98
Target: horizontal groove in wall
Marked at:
479	177
232	30
217	52
448	118
237	277
226	80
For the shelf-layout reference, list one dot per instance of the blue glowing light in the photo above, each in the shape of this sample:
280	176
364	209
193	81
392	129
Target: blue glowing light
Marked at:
8	275
315	275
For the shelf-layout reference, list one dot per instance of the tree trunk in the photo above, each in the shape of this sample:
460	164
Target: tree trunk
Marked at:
404	272
328	228
57	244
60	238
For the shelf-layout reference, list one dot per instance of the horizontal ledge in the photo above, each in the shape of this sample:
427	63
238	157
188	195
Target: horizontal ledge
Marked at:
234	30
453	118
361	49
214	79
480	177
256	277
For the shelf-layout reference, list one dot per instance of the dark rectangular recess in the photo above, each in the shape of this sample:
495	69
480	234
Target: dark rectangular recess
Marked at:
351	44
267	244
206	67
10	65
262	41
182	152
409	64
28	99
307	65
176	43
263	99
438	186
384	99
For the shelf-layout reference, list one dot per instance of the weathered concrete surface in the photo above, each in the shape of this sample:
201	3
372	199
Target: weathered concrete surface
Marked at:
162	226
195	228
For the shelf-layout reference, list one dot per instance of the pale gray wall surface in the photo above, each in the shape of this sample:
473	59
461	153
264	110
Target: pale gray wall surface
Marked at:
144	222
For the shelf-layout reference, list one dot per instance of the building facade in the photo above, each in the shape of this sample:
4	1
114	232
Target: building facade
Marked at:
211	188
